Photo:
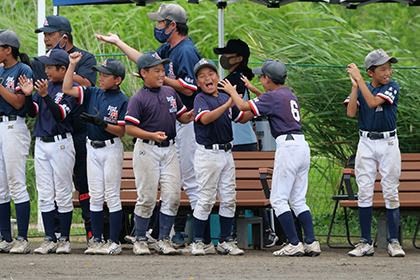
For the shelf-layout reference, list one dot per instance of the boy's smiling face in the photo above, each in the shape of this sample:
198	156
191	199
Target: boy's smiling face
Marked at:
207	80
153	78
381	75
54	75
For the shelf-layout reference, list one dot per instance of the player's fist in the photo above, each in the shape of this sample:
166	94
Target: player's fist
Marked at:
111	38
75	57
26	85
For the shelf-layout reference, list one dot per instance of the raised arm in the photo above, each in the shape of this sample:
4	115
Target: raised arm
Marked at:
250	86
68	87
231	90
131	53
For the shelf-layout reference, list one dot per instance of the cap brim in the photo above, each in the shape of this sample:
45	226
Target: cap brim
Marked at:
102	69
163	61
223	50
46	29
384	60
46	60
202	66
257	71
155	16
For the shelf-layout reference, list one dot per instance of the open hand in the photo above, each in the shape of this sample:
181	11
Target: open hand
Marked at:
26	85
111	38
41	87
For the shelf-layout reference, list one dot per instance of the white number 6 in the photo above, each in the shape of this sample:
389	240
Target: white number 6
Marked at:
294	108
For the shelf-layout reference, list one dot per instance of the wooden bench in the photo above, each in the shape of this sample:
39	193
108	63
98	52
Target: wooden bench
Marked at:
409	196
249	193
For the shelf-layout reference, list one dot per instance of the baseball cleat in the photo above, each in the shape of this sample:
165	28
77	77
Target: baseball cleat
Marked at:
20	246
395	249
229	247
48	246
197	248
93	247
362	249
5	246
209	249
130	239
178	240
290	250
312	249
141	248
110	248
270	238
63	246
164	247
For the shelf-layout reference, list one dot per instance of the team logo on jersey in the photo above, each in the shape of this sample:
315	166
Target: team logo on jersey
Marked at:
58	97
171	71
112	115
10	83
230	113
379	109
172	104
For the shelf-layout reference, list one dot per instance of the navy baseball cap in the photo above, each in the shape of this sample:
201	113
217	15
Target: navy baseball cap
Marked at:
172	12
8	37
272	68
55	57
378	57
234	46
204	62
54	23
111	66
150	59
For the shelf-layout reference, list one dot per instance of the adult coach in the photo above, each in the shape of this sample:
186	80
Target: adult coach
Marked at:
57	34
172	30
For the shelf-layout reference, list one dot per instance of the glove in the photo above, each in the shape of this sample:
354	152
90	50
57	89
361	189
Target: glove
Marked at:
94	119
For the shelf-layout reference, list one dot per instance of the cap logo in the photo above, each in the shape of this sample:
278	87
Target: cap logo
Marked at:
46	22
155	55
104	63
203	61
159	9
385	54
48	54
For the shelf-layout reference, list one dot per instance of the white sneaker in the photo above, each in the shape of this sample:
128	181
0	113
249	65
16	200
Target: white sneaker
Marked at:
130	239
229	247
141	248
150	241
312	249
290	250
5	246
209	249
110	248
394	249
20	246
93	247
63	247
164	247
46	247
197	248
362	249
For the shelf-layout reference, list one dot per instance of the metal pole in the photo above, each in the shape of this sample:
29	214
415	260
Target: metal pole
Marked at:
220	6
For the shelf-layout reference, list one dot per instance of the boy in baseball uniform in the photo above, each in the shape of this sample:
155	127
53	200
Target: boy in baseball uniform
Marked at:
151	116
292	158
213	162
377	102
54	149
106	107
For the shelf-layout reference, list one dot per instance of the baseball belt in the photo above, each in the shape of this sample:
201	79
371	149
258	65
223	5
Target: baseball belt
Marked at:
8	118
373	135
100	143
164	143
49	139
226	147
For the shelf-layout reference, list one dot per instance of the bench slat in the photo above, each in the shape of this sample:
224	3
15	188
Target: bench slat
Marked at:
406	200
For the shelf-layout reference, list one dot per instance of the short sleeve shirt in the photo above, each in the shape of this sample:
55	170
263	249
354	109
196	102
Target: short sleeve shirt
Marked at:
220	130
155	110
383	117
111	104
183	58
10	82
282	110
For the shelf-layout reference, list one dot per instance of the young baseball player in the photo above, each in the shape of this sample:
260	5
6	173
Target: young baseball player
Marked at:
106	108
377	102
54	149
151	116
213	161
292	159
14	144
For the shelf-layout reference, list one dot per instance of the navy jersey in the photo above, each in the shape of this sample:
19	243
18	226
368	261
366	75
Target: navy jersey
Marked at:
220	130
155	110
383	117
10	82
282	110
46	124
111	104
183	58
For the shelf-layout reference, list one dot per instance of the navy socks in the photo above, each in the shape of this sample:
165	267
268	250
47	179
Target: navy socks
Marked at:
65	224
97	223
115	222
48	218
305	219
165	225
393	218
23	211
365	221
288	224
199	227
225	228
141	226
5	221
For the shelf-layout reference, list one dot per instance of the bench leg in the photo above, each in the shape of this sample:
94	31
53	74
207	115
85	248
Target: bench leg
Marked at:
347	229
415	235
382	231
242	232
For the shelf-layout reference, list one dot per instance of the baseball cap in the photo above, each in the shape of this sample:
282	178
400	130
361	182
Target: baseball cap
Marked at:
234	46
111	66
150	59
204	63
54	23
172	12
55	57
8	37
272	68
378	57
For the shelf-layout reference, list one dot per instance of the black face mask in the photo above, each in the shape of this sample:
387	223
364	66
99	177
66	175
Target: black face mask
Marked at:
224	61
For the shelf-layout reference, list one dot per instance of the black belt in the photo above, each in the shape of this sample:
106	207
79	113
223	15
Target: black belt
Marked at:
164	143
49	139
11	118
373	135
226	147
100	143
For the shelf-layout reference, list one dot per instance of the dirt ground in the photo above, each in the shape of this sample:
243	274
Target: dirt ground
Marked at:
256	264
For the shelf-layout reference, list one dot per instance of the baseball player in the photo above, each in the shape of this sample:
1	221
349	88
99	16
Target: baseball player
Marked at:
213	161
106	107
377	102
54	149
58	34
14	144
172	30
151	117
292	158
